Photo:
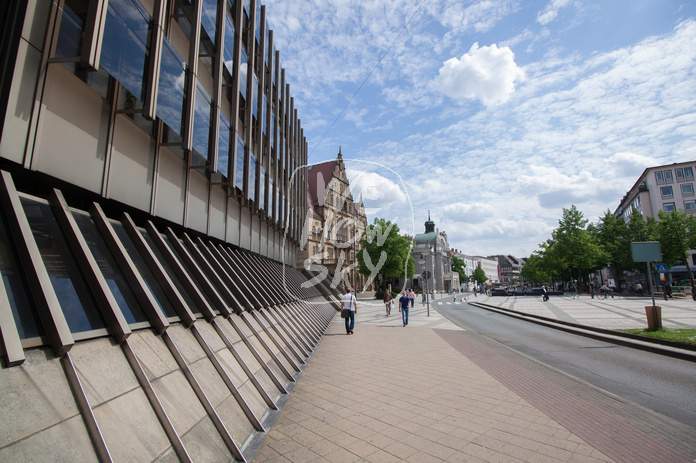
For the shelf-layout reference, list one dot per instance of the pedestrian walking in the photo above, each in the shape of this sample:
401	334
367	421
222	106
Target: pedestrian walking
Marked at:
388	301
348	302
544	294
574	291
412	296
404	303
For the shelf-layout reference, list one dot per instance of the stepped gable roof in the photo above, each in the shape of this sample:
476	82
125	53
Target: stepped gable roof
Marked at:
319	176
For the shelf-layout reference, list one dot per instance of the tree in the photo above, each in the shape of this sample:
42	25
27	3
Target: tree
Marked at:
479	276
613	234
533	270
458	265
384	252
677	234
576	247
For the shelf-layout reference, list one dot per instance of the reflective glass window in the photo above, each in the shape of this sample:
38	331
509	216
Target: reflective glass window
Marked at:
172	85
255	98
77	304
666	191
208	14
228	53
127	302
223	146
179	286
201	122
668	207
688	172
25	315
687	189
243	68
252	177
262	183
263	115
144	271
239	174
124	46
690	206
72	26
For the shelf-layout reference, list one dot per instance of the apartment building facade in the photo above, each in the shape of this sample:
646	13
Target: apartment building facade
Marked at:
663	188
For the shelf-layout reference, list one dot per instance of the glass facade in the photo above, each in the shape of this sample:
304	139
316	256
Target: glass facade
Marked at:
124	56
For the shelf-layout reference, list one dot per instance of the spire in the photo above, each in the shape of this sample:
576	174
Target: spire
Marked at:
339	152
429	225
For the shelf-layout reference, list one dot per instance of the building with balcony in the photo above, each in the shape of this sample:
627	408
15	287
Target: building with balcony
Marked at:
152	201
334	225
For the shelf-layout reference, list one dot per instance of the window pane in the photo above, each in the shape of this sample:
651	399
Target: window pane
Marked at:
79	309
228	54
208	18
688	172
255	99
239	174
25	315
690	205
170	272
72	25
687	188
172	83
144	271
223	146
243	65
668	207
666	190
262	182
252	177
668	175
124	49
201	123
117	282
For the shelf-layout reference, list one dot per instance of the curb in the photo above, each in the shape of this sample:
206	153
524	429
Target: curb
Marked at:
657	346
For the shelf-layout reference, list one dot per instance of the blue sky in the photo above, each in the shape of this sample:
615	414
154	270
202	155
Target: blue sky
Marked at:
494	114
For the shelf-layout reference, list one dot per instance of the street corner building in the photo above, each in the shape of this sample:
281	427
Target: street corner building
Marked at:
153	194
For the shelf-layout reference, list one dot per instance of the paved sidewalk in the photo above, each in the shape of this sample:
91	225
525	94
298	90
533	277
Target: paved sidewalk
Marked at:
612	314
432	391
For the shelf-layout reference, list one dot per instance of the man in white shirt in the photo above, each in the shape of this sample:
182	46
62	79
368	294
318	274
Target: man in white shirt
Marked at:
348	302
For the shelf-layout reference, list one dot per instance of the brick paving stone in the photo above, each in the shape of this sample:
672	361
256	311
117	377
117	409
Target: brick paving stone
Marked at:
435	392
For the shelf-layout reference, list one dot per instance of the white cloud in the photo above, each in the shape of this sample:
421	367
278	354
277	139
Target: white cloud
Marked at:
486	73
551	11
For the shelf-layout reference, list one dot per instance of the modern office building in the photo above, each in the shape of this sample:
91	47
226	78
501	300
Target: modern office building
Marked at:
334	225
151	196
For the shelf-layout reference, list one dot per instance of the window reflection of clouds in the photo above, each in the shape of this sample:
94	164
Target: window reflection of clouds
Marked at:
170	97
243	74
201	122
228	51
208	13
239	174
262	196
252	177
124	55
223	146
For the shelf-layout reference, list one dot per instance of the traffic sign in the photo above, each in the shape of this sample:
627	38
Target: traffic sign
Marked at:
661	268
426	274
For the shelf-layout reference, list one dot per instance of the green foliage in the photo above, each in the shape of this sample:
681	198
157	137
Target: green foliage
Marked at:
575	247
534	271
458	266
676	232
479	276
687	336
385	252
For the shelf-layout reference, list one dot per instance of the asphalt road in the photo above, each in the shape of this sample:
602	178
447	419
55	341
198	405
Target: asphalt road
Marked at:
664	384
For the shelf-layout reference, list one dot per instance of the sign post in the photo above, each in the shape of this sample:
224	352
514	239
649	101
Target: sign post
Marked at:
649	251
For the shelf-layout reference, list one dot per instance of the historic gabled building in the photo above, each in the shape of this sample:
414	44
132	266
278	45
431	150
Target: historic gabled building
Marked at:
334	225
